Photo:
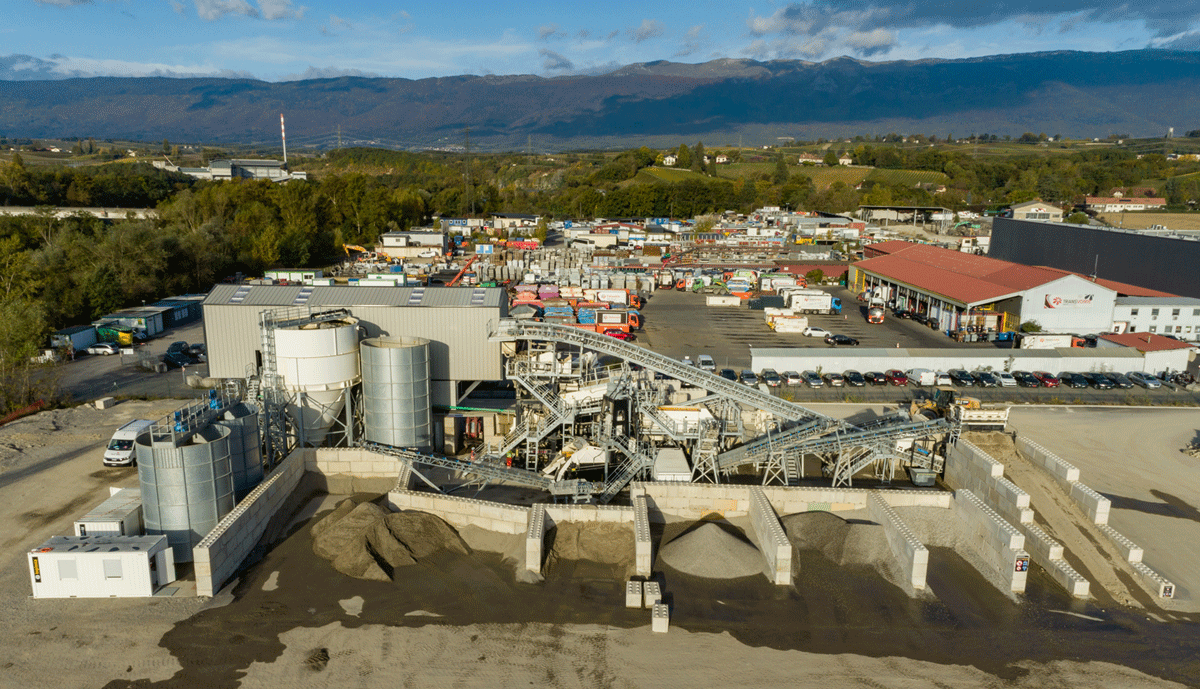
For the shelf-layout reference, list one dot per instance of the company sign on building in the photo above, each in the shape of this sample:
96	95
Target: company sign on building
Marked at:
1068	301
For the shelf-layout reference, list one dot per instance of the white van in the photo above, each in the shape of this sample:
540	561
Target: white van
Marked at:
922	377
122	450
706	363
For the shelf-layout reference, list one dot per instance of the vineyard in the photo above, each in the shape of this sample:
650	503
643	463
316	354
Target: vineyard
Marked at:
661	174
908	178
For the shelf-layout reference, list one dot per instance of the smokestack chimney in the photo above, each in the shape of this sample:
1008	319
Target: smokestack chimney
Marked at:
283	135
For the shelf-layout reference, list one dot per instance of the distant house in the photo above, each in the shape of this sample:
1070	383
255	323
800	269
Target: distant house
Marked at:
1120	204
722	159
1037	209
811	159
514	221
669	160
845	160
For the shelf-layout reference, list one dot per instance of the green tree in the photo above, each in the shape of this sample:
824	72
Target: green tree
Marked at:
831	159
698	163
166	147
780	175
104	294
683	157
1031	327
1078	218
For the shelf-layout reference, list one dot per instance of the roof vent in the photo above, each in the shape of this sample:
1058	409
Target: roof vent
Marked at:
240	295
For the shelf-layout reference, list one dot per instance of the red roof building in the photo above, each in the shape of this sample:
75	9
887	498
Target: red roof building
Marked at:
1146	342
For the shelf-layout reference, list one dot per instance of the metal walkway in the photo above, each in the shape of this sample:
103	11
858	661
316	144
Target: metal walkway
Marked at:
508	330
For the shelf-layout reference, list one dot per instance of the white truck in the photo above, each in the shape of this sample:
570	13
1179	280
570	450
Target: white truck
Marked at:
79	337
122	449
809	301
1035	341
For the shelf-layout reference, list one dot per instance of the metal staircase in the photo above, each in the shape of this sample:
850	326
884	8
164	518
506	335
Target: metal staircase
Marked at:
636	461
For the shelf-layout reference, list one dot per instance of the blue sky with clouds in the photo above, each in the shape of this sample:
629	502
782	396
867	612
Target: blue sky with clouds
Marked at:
290	39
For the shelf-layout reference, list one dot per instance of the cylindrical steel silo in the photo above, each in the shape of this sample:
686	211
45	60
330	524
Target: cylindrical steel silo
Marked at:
319	362
245	447
186	489
396	391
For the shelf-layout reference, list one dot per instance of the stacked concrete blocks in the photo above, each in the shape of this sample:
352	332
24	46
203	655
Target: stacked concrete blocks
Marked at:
693	500
660	619
1049	554
1154	581
772	541
643	553
217	557
792	500
1131	551
912	555
461	512
652	594
999	544
589	513
633	594
916	498
1094	505
535	536
969	467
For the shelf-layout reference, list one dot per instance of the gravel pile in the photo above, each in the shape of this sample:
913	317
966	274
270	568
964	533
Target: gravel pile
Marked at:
712	552
595	541
847	538
366	541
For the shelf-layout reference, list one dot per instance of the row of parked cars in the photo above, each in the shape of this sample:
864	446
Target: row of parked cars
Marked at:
181	354
959	377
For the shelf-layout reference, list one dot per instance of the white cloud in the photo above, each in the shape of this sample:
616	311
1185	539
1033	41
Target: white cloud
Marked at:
340	22
549	31
215	9
693	42
179	7
649	28
22	67
326	73
63	3
280	9
874	42
555	62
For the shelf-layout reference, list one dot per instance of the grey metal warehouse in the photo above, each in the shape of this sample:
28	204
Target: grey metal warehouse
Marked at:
455	320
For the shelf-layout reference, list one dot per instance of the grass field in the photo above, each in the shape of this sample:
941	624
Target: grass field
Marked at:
1140	221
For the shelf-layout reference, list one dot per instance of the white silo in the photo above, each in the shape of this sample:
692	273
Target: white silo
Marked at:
318	362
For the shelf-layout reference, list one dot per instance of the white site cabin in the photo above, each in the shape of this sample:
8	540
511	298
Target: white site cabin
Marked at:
103	566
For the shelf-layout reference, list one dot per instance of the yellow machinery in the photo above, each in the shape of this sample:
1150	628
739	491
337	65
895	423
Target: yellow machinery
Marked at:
941	399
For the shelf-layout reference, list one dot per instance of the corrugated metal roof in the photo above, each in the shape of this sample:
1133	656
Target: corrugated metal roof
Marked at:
954	286
1145	342
1158	301
343	295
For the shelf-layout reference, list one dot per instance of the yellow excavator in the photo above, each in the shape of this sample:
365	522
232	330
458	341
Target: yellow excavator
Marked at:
941	400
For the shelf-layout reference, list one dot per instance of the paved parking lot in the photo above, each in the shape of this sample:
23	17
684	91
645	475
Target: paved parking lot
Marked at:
681	324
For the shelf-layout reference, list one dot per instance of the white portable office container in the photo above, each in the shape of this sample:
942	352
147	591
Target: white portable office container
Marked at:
119	515
671	465
104	566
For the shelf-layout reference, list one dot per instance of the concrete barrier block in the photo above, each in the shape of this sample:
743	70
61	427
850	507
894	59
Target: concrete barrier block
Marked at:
1130	551
1067	577
660	619
1094	505
1040	545
106	403
652	594
633	594
1154	581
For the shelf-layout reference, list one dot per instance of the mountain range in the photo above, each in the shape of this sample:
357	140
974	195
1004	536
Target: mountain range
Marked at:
727	101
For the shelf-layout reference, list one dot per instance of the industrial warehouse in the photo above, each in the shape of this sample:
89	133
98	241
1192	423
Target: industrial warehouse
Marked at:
960	290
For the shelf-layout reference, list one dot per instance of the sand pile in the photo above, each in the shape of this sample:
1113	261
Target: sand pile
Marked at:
595	541
850	539
368	542
711	551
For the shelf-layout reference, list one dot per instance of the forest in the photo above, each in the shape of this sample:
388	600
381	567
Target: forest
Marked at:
62	271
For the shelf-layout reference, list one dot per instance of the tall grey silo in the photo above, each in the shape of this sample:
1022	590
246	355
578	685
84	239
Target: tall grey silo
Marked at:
245	447
396	392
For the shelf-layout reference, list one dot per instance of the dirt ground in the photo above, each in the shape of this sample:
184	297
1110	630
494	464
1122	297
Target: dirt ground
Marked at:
1141	221
1133	457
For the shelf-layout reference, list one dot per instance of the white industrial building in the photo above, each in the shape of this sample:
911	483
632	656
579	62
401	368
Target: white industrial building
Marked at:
1175	316
455	320
104	566
412	243
1159	353
963	290
1117	358
119	515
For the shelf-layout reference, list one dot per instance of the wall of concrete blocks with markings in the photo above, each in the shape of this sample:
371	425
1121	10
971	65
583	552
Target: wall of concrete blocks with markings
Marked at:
999	544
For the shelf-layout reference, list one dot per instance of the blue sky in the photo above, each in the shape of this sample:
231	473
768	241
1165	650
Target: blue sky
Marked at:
291	39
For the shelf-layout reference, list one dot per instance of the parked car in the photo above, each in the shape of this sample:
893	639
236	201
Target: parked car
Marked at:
896	377
771	377
962	377
834	380
813	331
1007	380
706	363
728	374
902	313
176	359
840	340
985	379
1072	380
1099	381
1047	380
854	379
1026	379
749	377
1120	380
629	337
942	378
104	349
792	377
1145	380
198	351
686	361
875	378
179	346
812	380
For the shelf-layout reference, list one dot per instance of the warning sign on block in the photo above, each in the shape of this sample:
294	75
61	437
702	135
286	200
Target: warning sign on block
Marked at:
1022	564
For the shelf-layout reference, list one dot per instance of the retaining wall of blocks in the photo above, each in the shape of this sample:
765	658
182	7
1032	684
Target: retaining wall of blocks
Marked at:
643	547
535	536
912	555
460	512
695	500
999	544
1048	553
772	542
217	557
969	467
1094	505
1131	551
1153	580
